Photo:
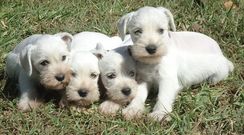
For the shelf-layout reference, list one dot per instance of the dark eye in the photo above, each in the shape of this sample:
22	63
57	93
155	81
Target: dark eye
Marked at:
131	73
111	75
63	58
44	63
138	32
93	75
161	31
73	74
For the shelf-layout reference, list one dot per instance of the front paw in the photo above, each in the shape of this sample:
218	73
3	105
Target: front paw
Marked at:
132	112
159	116
28	105
109	108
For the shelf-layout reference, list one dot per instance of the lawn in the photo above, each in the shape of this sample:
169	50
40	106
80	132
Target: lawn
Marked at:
217	109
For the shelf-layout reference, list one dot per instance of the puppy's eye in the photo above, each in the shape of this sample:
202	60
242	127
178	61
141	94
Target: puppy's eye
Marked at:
93	75
131	73
111	75
161	31
44	63
73	74
63	58
138	32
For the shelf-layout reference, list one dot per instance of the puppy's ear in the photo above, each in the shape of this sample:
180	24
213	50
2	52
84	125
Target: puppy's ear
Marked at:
122	24
99	51
170	17
25	59
66	37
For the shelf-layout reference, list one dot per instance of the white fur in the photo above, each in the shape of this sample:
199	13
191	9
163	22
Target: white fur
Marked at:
87	41
182	59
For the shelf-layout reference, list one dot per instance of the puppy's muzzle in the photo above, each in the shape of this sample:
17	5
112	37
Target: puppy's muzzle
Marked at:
151	49
82	93
126	91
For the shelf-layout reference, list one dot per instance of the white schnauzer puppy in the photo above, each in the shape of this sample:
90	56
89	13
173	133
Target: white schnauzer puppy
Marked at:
118	73
168	60
83	87
87	41
39	63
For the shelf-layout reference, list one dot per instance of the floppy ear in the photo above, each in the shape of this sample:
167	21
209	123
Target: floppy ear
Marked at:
170	17
66	37
99	51
122	24
25	59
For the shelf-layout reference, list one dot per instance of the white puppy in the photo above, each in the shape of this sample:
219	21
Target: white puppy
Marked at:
87	41
39	63
118	77
83	87
169	60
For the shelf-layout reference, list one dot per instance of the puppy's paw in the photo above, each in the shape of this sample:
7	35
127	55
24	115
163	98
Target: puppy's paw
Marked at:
63	103
133	112
109	108
28	105
159	116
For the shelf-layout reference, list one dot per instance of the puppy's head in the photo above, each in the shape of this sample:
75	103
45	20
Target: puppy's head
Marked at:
118	75
149	29
83	87
47	60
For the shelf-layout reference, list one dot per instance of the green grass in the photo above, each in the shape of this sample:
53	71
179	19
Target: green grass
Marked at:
208	109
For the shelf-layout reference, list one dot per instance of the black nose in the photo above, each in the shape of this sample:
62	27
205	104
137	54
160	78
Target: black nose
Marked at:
82	93
60	77
151	49
126	91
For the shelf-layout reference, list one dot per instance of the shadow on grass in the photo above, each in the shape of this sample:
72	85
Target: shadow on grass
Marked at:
10	90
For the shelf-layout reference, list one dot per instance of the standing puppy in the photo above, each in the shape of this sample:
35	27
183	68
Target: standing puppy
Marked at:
39	63
169	60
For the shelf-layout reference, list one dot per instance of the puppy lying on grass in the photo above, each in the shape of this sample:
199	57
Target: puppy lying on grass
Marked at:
39	64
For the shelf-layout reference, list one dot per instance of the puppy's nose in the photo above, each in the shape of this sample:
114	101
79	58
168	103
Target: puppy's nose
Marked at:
60	77
82	93
151	49
126	91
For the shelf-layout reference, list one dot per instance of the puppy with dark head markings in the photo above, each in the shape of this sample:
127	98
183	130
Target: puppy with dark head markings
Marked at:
118	78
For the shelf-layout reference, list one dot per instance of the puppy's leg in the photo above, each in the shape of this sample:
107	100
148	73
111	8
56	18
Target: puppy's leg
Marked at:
109	108
28	97
168	89
63	101
136	107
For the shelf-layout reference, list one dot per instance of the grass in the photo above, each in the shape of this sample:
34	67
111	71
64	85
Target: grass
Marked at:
208	109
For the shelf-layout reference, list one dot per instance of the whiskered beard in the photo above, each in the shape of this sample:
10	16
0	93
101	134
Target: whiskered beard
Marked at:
140	54
48	80
75	99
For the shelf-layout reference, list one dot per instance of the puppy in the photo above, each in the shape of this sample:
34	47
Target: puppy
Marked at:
87	41
169	60
39	65
83	87
118	77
